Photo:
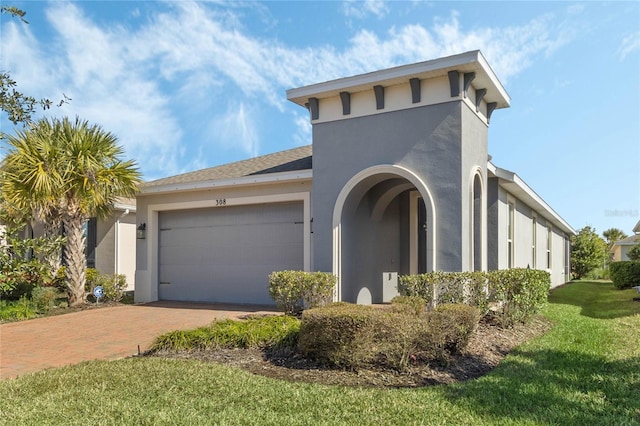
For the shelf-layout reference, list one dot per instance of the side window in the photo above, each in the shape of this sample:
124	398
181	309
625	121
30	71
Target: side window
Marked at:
91	237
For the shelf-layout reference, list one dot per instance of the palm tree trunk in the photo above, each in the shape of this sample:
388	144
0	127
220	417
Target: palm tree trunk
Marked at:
52	228
76	261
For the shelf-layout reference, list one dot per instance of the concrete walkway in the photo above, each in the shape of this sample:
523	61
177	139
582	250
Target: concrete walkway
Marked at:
104	333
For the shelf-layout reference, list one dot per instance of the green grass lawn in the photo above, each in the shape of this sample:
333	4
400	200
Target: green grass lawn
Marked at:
586	371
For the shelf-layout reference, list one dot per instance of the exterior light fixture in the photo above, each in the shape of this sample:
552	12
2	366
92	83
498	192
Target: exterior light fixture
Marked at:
141	231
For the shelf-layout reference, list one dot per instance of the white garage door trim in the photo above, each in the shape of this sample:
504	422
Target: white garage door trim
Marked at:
155	209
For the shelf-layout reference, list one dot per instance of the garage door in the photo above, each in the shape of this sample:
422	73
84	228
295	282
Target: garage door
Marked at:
225	254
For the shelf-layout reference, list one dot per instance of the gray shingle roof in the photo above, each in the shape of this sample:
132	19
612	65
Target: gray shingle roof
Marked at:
634	239
283	161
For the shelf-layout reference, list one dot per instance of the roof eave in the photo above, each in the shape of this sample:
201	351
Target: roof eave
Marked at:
515	185
467	62
271	178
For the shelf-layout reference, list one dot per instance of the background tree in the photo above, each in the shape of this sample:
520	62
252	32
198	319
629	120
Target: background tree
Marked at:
612	235
67	172
588	251
634	253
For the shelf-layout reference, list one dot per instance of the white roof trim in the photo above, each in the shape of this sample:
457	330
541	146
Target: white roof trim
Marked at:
223	183
464	62
123	207
515	185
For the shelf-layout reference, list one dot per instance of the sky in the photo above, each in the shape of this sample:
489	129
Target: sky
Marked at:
187	85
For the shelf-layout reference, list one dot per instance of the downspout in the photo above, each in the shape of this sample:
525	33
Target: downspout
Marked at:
116	264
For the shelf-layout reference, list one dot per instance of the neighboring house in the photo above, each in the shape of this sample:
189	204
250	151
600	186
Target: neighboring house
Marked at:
397	180
621	248
110	242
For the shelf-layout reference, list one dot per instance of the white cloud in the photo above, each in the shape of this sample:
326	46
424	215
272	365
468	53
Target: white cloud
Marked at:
629	44
237	128
360	9
196	63
302	136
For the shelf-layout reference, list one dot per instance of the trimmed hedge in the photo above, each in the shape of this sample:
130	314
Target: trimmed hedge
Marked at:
625	274
353	336
294	290
438	288
272	332
518	293
513	294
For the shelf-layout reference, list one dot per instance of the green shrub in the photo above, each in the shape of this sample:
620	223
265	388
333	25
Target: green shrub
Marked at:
399	338
515	293
353	336
294	290
439	287
625	274
112	285
598	274
20	310
518	293
409	304
341	335
18	277
450	328
44	298
274	332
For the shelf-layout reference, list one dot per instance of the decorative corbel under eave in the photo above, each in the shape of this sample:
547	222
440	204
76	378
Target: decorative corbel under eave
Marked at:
479	95
345	97
415	90
491	106
314	108
379	91
454	83
468	78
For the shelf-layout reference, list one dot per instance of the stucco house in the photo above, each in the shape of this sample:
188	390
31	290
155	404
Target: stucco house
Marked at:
110	242
398	180
620	249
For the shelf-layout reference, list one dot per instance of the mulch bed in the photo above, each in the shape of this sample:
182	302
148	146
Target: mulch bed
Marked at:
487	347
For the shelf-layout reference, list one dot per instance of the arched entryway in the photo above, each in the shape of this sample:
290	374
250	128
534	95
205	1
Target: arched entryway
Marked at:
384	220
477	220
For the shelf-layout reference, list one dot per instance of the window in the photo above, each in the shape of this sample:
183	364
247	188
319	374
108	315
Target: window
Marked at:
534	238
549	247
510	234
90	234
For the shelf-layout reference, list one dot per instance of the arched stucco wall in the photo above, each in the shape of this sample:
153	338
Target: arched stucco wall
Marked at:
373	175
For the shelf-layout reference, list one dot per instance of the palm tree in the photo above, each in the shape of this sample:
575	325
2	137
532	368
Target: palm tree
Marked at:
65	172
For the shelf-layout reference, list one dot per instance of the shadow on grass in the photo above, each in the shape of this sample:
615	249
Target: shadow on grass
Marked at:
597	299
552	387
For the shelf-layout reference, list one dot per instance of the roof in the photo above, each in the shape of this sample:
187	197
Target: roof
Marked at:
266	167
636	229
515	185
472	61
629	241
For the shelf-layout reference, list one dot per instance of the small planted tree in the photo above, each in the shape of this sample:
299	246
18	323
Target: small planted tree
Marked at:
67	171
588	251
634	253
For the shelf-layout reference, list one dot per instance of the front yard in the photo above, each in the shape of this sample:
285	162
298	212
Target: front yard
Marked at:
585	371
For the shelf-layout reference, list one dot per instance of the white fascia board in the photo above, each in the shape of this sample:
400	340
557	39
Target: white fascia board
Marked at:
123	207
464	62
514	184
223	183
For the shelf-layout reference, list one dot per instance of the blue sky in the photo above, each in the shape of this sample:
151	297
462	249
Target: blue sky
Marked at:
187	85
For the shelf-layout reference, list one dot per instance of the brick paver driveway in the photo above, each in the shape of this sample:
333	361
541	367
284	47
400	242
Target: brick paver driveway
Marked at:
105	333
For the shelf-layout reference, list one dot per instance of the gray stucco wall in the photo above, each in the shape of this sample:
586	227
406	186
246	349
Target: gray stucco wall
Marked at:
498	216
493	223
474	157
426	140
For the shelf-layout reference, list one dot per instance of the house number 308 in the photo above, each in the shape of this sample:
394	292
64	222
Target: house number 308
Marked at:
221	202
